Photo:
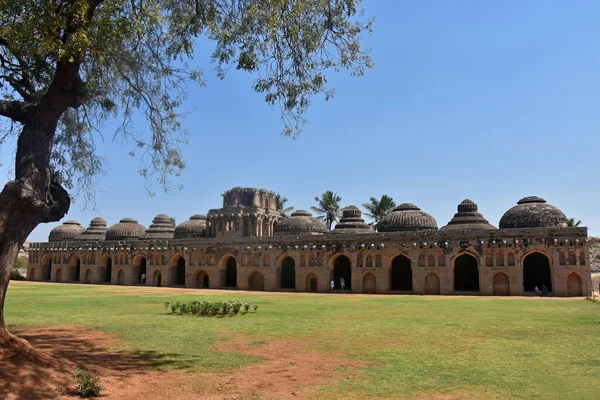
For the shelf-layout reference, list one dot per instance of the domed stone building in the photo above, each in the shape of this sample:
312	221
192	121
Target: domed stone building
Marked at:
248	245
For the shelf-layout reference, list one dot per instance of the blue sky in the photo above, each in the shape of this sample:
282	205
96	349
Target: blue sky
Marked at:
491	101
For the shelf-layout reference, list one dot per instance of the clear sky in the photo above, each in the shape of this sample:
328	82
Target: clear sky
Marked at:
487	100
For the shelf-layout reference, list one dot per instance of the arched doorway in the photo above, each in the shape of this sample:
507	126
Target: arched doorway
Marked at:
342	270
501	285
121	277
231	273
74	269
256	282
139	270
369	283
88	276
401	274
311	283
432	284
59	276
46	268
105	270
157	280
466	274
574	287
201	280
180	272
536	272
288	273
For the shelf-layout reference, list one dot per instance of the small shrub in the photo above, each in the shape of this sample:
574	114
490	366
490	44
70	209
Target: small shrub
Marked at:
210	308
88	384
236	307
255	307
167	305
246	307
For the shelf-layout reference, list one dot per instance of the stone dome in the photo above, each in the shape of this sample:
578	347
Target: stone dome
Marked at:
407	217
300	222
352	222
533	212
96	230
467	217
127	228
192	228
69	230
162	227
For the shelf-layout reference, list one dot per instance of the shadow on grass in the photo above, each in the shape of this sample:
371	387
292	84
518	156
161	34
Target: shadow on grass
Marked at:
65	348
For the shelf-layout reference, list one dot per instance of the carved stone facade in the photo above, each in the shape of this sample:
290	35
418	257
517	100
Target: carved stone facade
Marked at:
411	257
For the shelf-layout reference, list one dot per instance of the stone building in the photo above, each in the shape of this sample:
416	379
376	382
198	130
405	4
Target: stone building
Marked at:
248	245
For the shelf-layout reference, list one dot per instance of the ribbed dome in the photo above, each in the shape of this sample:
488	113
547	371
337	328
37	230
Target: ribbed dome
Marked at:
96	230
127	228
69	230
161	228
533	212
192	228
352	222
467	217
300	222
407	217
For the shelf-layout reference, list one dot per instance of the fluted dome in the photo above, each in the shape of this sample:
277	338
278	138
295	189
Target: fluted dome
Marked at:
161	228
300	222
467	217
352	222
533	212
69	230
407	217
96	230
192	228
127	228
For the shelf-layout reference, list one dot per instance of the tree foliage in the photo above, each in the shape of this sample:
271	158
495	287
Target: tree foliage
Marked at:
280	203
328	208
377	209
571	223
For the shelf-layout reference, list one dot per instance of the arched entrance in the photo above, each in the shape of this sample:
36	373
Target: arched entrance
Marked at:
105	270
432	284
256	281
401	274
180	272
201	280
501	285
88	276
59	276
342	270
74	269
230	273
46	268
536	272
288	273
466	274
574	287
121	277
157	280
311	283
139	270
369	283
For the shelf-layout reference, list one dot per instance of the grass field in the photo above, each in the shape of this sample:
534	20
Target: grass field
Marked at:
408	346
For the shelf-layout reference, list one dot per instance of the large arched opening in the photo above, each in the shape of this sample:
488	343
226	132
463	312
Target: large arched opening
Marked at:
201	281
228	272
466	274
432	284
574	286
139	269
401	274
105	270
256	281
46	268
177	273
288	273
536	272
74	269
342	273
157	279
501	285
369	283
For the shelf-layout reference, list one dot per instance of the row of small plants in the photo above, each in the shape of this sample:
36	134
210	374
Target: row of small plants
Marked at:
211	308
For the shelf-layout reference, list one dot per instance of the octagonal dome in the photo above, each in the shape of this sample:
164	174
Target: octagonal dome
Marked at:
69	230
407	217
467	217
96	230
126	229
300	222
192	228
352	222
533	212
162	227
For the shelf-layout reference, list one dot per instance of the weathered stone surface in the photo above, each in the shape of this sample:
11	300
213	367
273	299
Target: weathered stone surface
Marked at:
69	230
533	212
467	217
407	217
300	222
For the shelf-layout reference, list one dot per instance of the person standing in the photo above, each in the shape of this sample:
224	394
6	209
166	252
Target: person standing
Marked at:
342	282
143	279
332	284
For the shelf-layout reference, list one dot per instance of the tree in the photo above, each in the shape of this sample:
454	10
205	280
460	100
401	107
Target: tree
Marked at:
68	65
377	209
572	224
280	204
329	208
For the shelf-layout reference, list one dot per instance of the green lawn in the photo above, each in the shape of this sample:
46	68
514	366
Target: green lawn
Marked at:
410	345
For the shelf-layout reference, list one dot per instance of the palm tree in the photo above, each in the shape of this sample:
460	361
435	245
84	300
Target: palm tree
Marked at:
572	224
280	205
377	209
329	207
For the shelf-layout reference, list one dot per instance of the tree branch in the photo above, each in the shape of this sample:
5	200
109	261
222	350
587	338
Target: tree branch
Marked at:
15	110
